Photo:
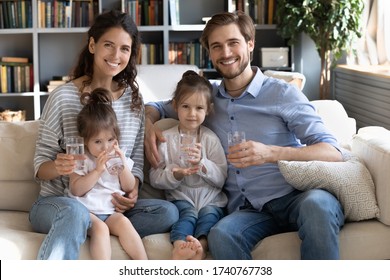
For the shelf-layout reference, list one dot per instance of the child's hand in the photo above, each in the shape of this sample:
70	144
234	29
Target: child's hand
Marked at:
180	172
195	154
101	161
119	152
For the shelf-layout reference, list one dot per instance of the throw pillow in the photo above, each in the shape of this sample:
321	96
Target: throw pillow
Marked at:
350	181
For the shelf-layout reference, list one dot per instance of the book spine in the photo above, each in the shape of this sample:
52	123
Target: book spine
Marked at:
27	78
271	5
9	78
29	14
14	59
12	14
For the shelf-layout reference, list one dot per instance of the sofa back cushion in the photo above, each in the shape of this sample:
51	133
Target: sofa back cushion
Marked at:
147	191
372	145
18	190
336	120
157	82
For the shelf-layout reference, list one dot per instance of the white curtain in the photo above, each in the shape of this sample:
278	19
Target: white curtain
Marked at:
373	48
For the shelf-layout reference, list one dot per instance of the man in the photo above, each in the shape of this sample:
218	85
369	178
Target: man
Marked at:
280	124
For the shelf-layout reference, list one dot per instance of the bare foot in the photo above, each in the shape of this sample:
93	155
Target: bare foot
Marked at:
182	250
196	245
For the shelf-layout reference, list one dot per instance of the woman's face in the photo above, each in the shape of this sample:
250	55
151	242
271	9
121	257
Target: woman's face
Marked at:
111	52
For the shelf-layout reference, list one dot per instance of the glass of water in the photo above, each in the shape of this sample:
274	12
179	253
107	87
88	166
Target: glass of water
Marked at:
236	137
187	141
114	164
75	147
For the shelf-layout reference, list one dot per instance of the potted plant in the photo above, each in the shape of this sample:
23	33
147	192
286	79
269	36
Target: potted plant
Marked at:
331	24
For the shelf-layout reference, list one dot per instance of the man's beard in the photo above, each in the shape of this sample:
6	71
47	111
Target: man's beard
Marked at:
235	73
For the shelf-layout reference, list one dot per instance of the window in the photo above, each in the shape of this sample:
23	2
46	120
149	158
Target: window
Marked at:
373	48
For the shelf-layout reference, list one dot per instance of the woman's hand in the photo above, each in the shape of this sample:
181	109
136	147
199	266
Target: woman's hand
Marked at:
124	203
64	164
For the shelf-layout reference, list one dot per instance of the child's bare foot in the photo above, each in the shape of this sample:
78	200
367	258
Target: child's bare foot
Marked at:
196	246
182	250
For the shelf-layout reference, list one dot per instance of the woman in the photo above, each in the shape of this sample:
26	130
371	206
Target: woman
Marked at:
108	60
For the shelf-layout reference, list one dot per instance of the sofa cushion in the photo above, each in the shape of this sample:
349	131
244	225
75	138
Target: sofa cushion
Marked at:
158	81
17	146
357	241
147	191
336	120
350	181
372	145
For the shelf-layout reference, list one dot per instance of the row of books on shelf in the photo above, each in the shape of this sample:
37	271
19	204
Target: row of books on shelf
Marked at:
261	11
189	53
56	13
179	53
15	14
16	75
72	13
151	54
144	12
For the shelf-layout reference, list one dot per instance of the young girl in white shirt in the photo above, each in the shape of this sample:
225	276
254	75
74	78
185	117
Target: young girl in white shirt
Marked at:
94	186
193	178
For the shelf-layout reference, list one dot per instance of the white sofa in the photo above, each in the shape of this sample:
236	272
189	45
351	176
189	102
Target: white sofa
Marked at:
358	240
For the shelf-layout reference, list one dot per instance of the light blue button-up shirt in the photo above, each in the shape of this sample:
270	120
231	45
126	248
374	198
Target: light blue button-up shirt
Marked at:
272	112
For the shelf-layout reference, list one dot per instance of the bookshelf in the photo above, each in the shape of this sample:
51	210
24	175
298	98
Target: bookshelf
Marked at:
52	48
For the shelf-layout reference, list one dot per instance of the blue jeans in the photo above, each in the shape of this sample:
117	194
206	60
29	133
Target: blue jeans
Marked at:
66	221
316	214
192	222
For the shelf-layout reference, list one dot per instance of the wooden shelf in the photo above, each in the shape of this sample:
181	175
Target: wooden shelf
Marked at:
53	51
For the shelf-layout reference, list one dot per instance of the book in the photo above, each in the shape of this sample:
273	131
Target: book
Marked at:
174	12
28	76
56	82
14	59
271	5
63	78
3	78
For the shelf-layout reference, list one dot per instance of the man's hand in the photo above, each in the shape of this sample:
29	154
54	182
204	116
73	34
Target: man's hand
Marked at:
252	153
124	203
152	135
248	153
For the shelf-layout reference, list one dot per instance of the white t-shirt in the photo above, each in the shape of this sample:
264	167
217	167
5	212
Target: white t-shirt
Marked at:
98	199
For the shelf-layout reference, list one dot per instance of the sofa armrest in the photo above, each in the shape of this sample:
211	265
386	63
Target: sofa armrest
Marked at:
372	145
18	189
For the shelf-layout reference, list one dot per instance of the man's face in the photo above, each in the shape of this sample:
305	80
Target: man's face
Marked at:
229	51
